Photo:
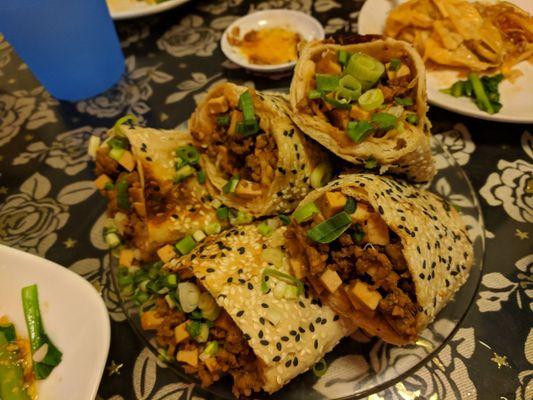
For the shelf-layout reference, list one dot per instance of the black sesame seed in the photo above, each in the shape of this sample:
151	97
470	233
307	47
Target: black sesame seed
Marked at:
316	344
261	334
276	359
210	270
284	338
301	304
288	363
250	286
278	346
229	280
293	333
246	336
242	281
324	320
302	330
380	210
213	257
336	318
264	305
295	362
264	342
241	250
297	337
318	320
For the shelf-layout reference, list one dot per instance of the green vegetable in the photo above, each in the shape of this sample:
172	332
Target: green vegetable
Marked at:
314	94
129	118
247	129
185	245
112	239
193	327
223	213
337	102
12	385
320	368
109	186
118	142
412	119
274	273
241	218
39	341
188	295
116	153
199	235
189	154
366	69
183	173
123	200
484	91
203	334
8	330
305	213
358	131
291	292
213	228
349	89
406	101
200	175
264	229
285	219
321	175
343	57
457	89
350	205
371	99
358	233
223	120
327	83
247	107
394	64
371	163
211	349
330	229
384	120
231	185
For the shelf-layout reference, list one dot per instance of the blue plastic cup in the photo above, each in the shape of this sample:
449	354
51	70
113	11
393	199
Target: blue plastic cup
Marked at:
71	46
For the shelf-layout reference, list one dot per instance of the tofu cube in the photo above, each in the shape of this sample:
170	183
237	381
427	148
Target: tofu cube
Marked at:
218	105
365	294
358	113
188	356
212	364
150	321
126	257
180	332
331	280
362	212
376	231
298	268
331	203
166	253
127	161
139	209
101	181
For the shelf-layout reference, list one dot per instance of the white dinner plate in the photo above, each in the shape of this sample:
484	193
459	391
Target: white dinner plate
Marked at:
308	28
516	98
74	317
126	9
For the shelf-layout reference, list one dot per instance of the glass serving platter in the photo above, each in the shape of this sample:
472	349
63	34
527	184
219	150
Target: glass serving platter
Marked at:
360	366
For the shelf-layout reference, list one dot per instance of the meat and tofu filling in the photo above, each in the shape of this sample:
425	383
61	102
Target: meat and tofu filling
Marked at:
359	94
338	243
236	143
206	342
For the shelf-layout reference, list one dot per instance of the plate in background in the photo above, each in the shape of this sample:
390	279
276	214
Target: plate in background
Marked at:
126	9
516	98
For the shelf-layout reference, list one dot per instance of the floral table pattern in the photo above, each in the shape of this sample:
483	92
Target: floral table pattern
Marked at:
48	205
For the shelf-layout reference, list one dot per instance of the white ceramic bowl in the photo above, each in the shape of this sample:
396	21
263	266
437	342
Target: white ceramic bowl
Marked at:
308	28
127	9
74	317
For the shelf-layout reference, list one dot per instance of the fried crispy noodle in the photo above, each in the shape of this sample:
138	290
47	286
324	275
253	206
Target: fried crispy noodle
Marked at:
456	33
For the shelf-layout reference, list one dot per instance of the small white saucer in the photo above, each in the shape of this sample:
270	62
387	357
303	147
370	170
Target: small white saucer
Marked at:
308	28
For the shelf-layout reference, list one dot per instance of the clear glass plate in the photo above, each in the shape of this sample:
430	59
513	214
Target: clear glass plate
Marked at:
360	366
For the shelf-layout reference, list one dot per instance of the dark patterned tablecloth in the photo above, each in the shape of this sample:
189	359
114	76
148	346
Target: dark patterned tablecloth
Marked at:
48	205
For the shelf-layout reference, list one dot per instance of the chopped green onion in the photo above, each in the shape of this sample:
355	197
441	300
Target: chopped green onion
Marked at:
285	219
314	94
406	101
196	315
371	163
12	386
412	119
330	229
320	368
189	154
129	118
124	280
327	83
212	314
183	173
264	229
193	327
171	280
203	334
358	233
457	89
247	107
199	235
223	120
200	175
189	295
271	272
321	175
112	239
350	205
247	129
185	245
171	303
358	131
342	104
231	185
349	89
211	349
118	142
467	88
9	332
343	56
123	200
291	292
366	69
179	163
394	64
482	100
241	218
109	186
222	213
213	228
305	213
38	337
116	153
384	120
279	290
371	99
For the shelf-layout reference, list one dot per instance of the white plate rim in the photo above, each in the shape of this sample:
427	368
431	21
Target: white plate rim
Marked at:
469	111
226	47
149	9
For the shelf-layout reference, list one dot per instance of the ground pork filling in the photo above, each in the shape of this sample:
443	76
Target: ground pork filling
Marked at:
380	269
234	356
254	158
393	85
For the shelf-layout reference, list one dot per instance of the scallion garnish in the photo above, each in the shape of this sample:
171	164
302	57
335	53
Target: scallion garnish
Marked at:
366	69
201	177
358	131
12	385
285	219
342	57
123	200
193	327
406	101
384	120
350	205
247	129
189	154
222	213
321	175
305	213
358	233
349	89
314	94
274	273
320	368
247	107
371	163
340	103
326	82
127	119
371	99
184	172
330	229
264	229
231	184
412	119
185	245
223	120
394	64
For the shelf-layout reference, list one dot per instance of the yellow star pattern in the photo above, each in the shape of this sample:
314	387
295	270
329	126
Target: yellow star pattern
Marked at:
28	137
500	361
69	243
114	368
521	234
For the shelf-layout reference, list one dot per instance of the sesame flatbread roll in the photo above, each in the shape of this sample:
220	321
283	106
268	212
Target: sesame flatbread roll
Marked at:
366	103
246	272
256	160
157	200
386	255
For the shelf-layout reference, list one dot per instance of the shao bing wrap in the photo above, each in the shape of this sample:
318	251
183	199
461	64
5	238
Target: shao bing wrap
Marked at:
383	254
287	330
150	178
366	103
256	160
